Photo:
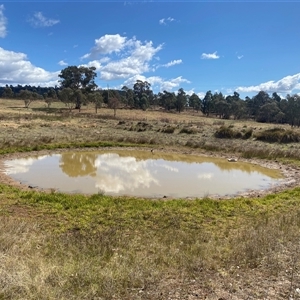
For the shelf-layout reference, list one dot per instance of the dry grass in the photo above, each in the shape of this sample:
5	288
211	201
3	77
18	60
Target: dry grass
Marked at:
179	260
59	246
36	126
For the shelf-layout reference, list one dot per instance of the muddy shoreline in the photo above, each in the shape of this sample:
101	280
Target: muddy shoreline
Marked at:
291	174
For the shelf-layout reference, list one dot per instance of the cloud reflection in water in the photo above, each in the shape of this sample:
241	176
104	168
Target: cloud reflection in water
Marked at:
116	174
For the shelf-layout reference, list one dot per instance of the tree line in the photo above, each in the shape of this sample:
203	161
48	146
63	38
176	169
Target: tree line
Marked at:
77	87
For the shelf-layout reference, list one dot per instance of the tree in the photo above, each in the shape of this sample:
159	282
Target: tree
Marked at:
67	96
258	101
276	97
195	102
207	103
78	78
293	110
181	100
96	98
268	112
220	106
50	97
7	93
222	109
239	109
129	96
142	94
114	103
27	96
167	100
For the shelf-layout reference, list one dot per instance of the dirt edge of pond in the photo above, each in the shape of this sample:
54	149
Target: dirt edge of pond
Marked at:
290	173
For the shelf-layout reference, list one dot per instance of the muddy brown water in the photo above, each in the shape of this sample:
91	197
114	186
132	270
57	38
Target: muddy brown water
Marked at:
140	173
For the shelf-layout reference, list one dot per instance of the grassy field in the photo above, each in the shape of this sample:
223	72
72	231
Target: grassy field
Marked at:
59	246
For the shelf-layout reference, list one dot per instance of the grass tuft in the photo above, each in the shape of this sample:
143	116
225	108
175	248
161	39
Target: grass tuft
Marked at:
278	135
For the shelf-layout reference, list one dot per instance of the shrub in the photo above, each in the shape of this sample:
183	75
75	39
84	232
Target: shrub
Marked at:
248	134
278	135
188	130
168	129
227	133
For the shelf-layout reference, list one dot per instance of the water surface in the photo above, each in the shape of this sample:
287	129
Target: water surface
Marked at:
140	173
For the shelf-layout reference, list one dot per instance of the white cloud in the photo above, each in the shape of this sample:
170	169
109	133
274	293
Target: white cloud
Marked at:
172	63
173	83
133	56
116	174
157	83
21	165
201	95
3	22
190	92
210	55
169	168
287	84
38	20
205	176
107	44
240	56
62	63
16	69
164	21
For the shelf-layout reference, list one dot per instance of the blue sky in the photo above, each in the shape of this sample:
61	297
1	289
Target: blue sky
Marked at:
221	46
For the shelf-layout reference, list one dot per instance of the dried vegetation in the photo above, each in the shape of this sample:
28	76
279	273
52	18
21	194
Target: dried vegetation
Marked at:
58	246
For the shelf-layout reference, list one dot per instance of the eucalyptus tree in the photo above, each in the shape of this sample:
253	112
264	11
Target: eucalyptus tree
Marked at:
50	96
114	103
268	112
238	109
95	98
142	94
67	96
7	92
258	101
293	110
195	102
129	96
220	106
276	97
28	97
78	79
181	100
167	100
207	103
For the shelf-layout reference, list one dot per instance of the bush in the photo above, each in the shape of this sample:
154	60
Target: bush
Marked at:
168	129
247	134
278	135
188	130
227	133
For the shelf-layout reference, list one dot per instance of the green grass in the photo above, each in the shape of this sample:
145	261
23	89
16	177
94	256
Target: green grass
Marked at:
76	246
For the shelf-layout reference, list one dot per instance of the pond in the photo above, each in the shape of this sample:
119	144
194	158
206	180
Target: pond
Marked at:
140	173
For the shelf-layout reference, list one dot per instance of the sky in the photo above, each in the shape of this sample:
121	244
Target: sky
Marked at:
221	46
